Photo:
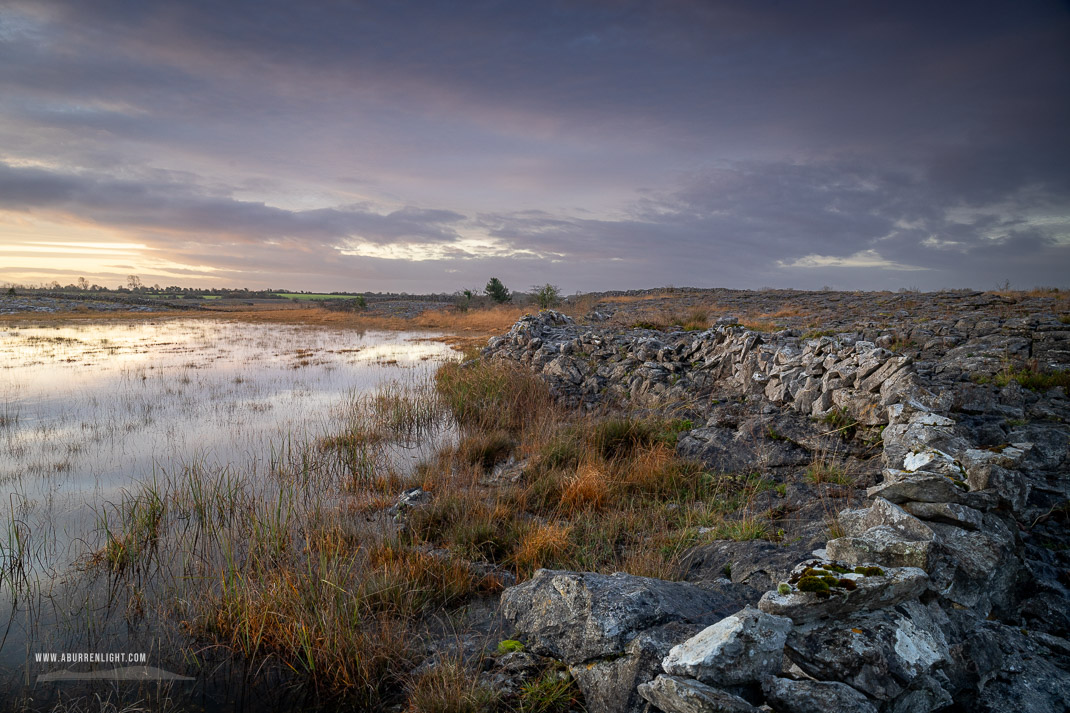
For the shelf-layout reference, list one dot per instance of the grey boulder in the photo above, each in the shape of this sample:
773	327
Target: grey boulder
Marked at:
788	696
738	649
577	616
673	694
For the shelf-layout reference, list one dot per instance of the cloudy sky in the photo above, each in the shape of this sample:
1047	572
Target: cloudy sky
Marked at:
425	146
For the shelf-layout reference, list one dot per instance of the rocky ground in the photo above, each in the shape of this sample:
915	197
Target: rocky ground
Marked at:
924	565
35	303
44	304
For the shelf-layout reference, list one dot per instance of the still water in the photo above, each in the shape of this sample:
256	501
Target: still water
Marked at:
87	411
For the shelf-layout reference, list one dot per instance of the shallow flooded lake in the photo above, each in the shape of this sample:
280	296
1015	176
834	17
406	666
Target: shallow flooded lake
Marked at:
90	413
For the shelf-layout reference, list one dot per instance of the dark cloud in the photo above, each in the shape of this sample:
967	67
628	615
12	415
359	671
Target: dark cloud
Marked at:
682	142
178	207
751	221
843	70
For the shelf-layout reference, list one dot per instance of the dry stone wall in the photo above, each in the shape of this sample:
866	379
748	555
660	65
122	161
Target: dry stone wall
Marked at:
813	376
937	595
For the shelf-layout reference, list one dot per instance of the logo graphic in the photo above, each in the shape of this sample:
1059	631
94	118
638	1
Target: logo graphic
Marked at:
124	673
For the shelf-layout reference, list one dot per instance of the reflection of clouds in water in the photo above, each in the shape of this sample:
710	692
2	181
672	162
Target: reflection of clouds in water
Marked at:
102	406
409	350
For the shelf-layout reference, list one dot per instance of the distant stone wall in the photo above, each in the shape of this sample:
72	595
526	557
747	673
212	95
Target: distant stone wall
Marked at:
813	376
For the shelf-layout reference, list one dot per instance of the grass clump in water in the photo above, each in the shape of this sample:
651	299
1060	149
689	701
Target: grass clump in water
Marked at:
493	394
132	533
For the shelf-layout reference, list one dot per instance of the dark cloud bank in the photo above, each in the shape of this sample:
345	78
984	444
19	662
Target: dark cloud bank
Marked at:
595	145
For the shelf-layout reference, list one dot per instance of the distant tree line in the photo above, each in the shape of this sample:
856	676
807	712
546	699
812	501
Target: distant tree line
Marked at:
495	292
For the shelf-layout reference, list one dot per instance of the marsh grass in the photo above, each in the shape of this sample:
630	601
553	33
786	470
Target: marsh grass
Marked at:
747	528
273	570
133	531
293	564
552	692
17	555
9	413
597	493
451	687
493	395
271	564
486	449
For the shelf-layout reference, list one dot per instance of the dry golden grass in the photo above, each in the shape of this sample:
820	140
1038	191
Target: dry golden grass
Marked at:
465	331
577	307
651	470
757	325
450	687
785	312
649	563
492	320
587	489
495	395
543	544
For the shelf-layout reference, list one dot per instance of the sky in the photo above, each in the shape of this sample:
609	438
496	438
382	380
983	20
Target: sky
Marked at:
591	144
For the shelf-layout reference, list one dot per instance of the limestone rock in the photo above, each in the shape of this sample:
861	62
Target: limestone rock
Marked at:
895	585
976	569
805	696
883	512
727	450
610	685
947	513
1009	486
900	486
738	649
933	460
673	694
564	367
755	563
576	616
872	383
883	545
881	654
1030	679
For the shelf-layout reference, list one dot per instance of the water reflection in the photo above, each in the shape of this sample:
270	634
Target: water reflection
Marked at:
88	411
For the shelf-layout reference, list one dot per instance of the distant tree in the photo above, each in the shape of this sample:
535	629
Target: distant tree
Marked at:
361	301
497	291
547	295
464	299
11	291
133	282
83	284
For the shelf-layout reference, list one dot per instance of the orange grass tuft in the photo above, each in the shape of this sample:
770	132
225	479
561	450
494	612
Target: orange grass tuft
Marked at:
588	488
542	544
